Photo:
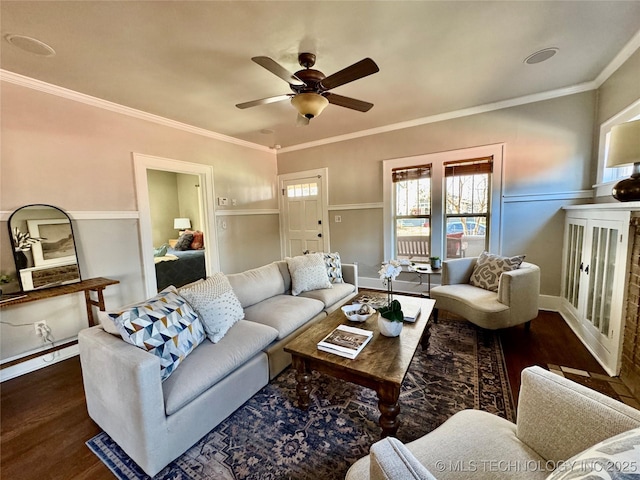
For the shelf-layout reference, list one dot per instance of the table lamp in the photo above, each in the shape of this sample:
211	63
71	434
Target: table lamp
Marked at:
181	224
624	149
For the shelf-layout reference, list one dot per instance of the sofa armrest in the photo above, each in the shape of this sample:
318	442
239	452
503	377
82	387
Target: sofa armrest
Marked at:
390	459
559	418
520	289
123	388
457	271
350	274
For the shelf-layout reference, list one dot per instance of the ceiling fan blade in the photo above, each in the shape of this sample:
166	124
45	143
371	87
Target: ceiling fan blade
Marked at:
348	102
354	72
264	101
301	121
278	70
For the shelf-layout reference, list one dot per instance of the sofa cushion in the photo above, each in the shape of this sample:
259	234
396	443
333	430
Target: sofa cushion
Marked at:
210	363
308	272
617	457
478	439
216	304
473	297
253	286
489	267
285	313
329	296
472	444
165	325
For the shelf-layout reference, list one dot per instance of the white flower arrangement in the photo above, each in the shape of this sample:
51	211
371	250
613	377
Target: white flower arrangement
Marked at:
390	270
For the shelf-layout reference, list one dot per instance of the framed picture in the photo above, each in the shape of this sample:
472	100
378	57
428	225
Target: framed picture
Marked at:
56	246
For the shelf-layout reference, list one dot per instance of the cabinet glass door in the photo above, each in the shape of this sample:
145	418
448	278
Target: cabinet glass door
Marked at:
573	262
604	244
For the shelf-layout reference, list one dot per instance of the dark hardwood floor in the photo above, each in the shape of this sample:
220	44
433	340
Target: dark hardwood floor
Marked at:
44	421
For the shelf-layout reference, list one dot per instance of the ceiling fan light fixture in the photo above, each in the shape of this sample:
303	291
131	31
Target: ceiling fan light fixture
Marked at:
309	105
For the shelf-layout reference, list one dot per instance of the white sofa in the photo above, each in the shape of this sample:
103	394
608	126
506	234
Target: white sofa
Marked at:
155	422
557	420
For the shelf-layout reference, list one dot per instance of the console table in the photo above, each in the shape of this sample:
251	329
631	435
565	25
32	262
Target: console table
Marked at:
96	285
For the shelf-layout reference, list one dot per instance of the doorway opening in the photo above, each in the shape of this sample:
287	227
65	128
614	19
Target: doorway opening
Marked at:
170	192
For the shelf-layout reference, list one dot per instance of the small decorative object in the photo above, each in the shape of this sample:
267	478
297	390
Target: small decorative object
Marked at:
358	312
4	278
390	319
22	242
388	273
435	262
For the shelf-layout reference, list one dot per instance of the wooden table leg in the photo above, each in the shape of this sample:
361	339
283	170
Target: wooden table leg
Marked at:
424	341
388	396
303	378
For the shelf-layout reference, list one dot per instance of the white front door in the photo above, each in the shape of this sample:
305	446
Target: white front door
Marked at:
303	215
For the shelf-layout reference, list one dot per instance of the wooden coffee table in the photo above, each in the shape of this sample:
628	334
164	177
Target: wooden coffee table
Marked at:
381	365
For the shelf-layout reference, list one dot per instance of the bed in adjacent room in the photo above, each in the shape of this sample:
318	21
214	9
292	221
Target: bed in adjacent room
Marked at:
180	265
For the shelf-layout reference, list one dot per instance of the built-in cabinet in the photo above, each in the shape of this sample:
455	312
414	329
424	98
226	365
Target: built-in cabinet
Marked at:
594	276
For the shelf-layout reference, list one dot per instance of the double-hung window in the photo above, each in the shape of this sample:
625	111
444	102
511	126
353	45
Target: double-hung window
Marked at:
446	204
412	192
467	196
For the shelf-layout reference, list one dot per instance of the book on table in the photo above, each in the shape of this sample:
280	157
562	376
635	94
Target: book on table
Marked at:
410	309
345	341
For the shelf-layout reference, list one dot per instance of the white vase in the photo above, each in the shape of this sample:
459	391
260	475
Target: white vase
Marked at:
389	328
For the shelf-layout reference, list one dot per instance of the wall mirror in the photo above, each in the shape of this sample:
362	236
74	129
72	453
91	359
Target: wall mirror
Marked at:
44	249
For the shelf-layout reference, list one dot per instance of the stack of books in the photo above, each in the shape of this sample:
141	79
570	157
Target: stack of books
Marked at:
345	341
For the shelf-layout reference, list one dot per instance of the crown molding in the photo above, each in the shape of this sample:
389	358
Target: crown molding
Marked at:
465	112
41	86
622	56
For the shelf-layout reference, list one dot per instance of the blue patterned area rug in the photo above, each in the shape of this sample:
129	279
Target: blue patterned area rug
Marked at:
270	438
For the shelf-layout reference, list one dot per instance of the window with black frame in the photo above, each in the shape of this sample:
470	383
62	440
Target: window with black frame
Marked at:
467	193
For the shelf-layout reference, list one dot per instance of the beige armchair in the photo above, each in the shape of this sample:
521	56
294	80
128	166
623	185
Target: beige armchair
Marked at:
515	302
557	419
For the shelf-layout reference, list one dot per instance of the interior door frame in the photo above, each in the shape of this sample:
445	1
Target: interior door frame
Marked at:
142	163
323	175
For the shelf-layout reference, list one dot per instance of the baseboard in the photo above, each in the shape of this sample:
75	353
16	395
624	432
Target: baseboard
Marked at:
39	362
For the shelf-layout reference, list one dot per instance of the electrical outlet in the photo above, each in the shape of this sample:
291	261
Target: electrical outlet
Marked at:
338	219
40	327
223	201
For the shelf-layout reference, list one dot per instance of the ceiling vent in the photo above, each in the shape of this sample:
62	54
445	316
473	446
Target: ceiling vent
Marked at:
541	55
29	44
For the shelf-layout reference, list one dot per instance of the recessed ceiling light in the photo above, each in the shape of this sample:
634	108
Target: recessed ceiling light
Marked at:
541	55
30	44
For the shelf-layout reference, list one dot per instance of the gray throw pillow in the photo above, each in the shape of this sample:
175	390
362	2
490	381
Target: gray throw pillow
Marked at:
308	272
216	303
489	267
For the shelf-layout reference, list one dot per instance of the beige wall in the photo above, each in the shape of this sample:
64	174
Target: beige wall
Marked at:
172	195
620	90
548	152
163	205
79	158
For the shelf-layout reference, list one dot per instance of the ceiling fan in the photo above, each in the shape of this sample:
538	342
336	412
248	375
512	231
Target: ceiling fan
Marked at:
311	88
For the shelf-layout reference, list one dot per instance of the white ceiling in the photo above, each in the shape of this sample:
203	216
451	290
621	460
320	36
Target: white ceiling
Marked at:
189	61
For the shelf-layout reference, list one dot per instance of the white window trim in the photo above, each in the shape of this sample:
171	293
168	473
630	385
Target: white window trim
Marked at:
437	161
603	189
